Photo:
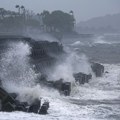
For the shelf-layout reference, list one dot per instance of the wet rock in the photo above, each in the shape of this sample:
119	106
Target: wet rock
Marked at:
14	95
9	103
20	108
44	108
47	104
98	69
35	106
50	84
0	105
0	83
44	54
82	78
63	87
58	84
66	88
8	107
106	72
5	97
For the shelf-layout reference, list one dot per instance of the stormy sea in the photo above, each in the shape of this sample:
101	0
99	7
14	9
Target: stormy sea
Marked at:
99	99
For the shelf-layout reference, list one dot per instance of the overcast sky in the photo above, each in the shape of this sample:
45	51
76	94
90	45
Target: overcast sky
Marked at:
83	9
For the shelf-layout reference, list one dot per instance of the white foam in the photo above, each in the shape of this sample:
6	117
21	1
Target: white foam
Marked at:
101	88
15	65
77	43
73	63
100	40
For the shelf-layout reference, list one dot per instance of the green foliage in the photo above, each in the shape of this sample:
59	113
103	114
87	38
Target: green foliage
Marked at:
58	20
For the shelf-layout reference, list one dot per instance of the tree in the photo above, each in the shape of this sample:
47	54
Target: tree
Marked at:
2	12
46	19
18	7
59	21
71	12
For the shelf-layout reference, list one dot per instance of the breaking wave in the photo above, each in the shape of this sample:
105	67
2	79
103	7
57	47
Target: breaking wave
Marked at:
71	64
98	99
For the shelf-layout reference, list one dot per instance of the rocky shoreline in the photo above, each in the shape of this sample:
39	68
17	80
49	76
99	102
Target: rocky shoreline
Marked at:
43	55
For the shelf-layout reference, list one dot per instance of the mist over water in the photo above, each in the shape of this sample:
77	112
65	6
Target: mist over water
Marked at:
15	65
16	73
72	63
98	99
87	32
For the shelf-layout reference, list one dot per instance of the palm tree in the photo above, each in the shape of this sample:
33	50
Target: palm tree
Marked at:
71	12
17	6
23	8
23	11
2	11
45	19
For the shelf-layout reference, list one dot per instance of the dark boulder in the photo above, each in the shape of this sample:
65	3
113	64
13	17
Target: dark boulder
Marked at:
47	104
106	72
66	88
0	105
8	107
44	108
35	106
62	87
20	108
14	95
0	83
5	97
58	84
8	103
98	69
45	54
82	78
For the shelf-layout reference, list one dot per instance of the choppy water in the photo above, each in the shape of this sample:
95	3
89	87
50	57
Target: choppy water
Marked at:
97	100
101	97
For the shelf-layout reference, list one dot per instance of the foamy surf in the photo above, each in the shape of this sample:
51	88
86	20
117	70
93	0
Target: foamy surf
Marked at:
96	100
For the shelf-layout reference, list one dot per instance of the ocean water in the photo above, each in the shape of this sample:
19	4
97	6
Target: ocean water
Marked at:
97	100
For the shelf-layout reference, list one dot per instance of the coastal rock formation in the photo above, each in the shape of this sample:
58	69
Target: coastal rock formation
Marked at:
63	87
9	104
82	78
98	69
45	54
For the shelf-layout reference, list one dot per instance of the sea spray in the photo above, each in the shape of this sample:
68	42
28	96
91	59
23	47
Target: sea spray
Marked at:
18	75
16	72
15	65
73	63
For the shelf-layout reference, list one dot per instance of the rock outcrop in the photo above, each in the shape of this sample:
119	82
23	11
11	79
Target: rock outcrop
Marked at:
9	104
63	87
45	54
82	78
98	69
